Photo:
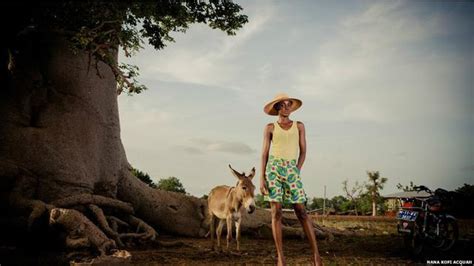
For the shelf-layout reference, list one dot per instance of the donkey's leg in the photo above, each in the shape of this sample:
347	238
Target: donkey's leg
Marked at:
237	232
213	229
219	232
229	230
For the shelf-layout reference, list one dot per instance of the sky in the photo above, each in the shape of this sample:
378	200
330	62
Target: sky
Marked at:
386	86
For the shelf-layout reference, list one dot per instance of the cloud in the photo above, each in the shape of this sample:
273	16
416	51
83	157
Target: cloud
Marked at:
380	66
140	114
201	146
401	155
385	78
468	169
231	147
361	111
202	55
190	150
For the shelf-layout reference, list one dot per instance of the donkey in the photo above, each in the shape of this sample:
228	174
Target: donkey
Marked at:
227	204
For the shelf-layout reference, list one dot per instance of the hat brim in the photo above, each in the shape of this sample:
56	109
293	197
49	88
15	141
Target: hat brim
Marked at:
270	107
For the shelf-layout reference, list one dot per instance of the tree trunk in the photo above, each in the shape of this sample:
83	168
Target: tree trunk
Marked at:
374	205
62	159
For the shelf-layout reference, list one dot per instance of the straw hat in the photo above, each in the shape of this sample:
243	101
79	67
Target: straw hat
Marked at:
270	107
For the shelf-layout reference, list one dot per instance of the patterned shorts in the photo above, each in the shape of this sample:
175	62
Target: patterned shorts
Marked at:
283	182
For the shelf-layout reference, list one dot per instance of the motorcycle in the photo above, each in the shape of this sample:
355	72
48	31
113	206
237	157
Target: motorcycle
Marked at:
424	221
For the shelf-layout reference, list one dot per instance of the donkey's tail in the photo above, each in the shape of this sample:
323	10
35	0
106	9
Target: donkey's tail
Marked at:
209	211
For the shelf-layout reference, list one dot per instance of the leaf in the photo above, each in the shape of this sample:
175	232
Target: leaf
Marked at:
299	184
281	171
272	192
272	176
292	178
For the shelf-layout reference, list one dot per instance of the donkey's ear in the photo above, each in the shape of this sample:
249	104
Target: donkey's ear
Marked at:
252	173
235	173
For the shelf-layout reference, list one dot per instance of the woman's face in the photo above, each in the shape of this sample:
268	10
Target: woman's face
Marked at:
284	107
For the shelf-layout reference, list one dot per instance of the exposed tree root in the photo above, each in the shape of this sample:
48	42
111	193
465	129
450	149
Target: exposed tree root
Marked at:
104	225
105	235
147	232
116	223
38	207
86	199
81	228
74	243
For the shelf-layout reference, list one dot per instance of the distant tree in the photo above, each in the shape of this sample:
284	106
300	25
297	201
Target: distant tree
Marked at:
406	188
143	177
171	184
374	186
467	190
260	202
205	196
353	194
462	204
347	206
316	203
339	203
365	204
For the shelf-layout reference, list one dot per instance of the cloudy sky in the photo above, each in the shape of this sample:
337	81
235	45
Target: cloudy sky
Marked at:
385	85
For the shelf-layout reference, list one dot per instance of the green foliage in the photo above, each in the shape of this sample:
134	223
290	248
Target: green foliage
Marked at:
143	177
130	72
171	184
340	203
462	205
352	194
259	202
406	187
376	183
316	203
466	190
365	204
103	27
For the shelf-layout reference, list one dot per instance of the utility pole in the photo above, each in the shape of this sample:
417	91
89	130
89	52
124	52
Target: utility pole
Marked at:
324	201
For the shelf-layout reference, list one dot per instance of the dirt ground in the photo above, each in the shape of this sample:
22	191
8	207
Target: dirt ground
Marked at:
361	247
343	250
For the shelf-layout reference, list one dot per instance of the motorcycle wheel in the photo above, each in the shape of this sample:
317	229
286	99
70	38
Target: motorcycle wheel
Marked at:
450	233
414	243
435	240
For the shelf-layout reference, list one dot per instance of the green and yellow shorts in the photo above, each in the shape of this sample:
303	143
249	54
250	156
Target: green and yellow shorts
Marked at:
283	181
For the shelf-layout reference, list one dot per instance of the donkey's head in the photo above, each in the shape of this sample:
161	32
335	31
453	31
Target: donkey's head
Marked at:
245	189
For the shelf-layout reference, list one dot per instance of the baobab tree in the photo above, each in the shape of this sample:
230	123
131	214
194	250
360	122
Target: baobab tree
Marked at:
62	162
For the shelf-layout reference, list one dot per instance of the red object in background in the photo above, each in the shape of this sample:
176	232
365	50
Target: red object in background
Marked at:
407	204
435	207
